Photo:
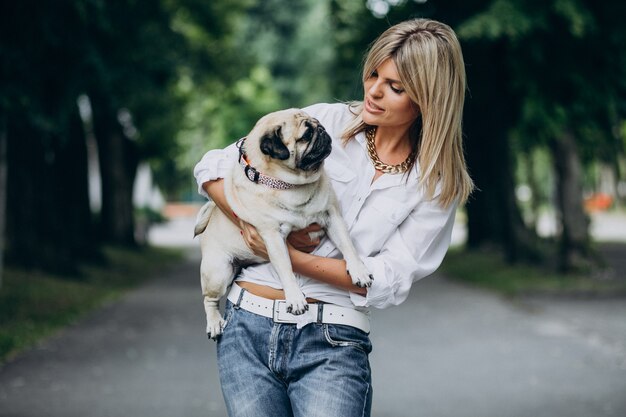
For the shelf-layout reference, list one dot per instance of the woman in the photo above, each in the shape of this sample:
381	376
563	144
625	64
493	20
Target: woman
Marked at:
398	170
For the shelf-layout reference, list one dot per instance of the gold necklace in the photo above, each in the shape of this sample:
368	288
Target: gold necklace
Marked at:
379	165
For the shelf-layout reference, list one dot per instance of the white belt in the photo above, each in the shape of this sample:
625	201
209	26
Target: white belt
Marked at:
317	312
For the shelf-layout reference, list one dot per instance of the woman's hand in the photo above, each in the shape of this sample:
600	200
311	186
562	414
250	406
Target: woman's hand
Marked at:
301	239
253	239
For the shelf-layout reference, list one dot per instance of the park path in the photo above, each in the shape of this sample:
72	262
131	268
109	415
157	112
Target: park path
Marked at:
145	355
449	351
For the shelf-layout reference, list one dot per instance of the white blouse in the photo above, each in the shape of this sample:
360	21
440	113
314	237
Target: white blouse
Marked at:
401	235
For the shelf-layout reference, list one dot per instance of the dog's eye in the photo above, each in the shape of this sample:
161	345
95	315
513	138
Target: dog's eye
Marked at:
306	137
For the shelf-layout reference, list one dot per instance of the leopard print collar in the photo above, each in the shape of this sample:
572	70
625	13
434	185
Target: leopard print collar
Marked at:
255	176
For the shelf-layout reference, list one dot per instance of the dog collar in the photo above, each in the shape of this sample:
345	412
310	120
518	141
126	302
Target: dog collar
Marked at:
255	176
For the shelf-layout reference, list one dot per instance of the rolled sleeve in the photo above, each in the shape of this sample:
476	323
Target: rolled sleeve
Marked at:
413	252
215	164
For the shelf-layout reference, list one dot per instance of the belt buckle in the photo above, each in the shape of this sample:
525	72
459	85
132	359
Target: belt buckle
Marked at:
281	315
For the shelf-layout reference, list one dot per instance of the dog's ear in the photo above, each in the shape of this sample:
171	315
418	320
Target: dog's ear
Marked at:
272	145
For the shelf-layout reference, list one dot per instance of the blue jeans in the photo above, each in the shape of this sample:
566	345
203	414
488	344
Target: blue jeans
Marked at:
274	369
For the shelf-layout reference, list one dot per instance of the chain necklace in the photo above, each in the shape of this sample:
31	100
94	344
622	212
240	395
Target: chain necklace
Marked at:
379	165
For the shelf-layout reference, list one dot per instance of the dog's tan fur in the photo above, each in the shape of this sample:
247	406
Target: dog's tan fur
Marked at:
274	212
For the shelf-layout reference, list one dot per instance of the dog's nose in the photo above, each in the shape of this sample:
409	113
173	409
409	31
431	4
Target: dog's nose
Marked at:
313	123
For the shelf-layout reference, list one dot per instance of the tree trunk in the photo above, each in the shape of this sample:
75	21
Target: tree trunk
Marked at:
49	222
118	165
533	184
3	188
73	178
574	242
494	219
27	182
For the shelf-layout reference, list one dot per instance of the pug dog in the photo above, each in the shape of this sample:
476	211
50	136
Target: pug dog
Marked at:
279	185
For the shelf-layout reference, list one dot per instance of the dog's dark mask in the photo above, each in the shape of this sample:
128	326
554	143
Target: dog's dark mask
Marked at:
273	146
320	145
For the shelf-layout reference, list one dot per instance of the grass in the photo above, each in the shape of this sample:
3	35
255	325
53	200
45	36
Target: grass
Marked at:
488	270
35	304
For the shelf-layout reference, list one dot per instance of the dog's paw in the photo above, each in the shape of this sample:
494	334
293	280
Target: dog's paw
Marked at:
361	277
214	331
296	304
214	326
297	308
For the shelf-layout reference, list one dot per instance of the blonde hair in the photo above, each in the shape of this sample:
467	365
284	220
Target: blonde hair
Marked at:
430	64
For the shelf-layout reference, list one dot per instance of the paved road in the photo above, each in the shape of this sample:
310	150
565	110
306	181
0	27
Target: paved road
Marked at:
450	350
146	355
460	352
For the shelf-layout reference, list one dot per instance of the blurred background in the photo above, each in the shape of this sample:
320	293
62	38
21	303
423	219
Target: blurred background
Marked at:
106	106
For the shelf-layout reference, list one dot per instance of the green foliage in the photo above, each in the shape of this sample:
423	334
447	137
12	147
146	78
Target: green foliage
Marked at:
580	20
501	19
34	304
281	61
228	113
354	28
295	44
566	64
566	67
194	74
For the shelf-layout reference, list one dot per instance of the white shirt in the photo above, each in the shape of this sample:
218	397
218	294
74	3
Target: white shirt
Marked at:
401	235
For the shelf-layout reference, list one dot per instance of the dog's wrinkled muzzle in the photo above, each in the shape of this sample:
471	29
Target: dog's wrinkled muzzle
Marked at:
319	148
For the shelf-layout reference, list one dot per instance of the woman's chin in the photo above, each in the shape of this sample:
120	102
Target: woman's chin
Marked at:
369	119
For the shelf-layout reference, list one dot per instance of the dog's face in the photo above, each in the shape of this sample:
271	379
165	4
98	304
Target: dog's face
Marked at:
291	139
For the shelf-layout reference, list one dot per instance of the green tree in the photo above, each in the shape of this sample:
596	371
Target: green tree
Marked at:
566	63
540	75
3	189
207	87
48	218
354	28
126	57
132	63
281	57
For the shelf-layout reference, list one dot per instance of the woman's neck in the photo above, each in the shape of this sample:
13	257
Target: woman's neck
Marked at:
392	141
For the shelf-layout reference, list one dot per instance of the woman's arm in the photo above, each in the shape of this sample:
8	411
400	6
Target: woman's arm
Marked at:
329	270
299	239
214	165
215	190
